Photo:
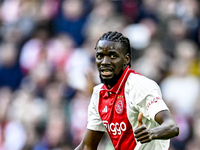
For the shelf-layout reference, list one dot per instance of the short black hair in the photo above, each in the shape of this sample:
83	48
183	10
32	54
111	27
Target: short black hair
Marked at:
117	37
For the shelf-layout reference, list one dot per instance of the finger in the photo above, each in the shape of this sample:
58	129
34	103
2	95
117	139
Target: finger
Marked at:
140	129
140	119
145	140
142	137
142	133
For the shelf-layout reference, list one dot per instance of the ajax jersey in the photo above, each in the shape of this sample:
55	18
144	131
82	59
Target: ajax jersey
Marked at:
116	110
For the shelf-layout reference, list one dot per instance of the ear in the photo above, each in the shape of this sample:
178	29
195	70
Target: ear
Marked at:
127	59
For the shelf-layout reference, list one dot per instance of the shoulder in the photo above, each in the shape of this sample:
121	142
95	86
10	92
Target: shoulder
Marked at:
138	87
97	88
95	93
139	81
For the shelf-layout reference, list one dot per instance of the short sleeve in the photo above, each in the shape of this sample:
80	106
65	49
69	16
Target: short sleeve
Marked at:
152	102
145	94
94	121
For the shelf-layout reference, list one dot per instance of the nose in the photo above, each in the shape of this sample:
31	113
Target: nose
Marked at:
105	61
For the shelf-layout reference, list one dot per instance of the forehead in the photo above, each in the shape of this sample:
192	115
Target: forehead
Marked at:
108	45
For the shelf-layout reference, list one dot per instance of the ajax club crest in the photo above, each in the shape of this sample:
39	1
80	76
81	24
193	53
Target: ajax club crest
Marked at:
119	107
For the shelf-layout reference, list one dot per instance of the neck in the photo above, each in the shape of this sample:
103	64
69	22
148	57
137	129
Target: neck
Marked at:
109	86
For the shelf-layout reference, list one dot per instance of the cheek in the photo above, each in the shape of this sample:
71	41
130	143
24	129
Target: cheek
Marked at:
98	63
119	66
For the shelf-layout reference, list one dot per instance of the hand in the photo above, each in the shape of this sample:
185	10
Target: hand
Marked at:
142	134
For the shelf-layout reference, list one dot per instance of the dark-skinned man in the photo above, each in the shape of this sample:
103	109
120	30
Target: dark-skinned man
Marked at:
126	105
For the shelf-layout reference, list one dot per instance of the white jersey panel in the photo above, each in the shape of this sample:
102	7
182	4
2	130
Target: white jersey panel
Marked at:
144	95
153	145
94	119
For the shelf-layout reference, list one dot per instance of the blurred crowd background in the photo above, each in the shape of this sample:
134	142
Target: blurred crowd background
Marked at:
47	65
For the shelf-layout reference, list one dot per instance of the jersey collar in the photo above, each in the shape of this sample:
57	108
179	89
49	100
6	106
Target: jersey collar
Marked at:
116	88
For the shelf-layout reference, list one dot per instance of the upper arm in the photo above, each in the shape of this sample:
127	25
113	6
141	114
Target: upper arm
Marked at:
91	140
163	116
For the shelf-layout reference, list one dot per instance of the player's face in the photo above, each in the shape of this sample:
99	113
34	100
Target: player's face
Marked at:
111	61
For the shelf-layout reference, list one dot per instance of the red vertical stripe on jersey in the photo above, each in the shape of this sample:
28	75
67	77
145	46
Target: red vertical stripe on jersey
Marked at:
113	112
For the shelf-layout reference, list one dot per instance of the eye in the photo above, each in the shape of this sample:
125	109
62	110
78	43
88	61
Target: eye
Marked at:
99	56
113	56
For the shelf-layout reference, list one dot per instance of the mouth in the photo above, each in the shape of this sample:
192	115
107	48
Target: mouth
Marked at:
106	72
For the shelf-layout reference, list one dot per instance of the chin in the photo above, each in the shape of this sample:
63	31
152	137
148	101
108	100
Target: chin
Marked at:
109	80
106	78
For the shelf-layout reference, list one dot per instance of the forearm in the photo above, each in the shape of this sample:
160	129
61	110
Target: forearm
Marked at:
82	147
90	140
166	130
79	147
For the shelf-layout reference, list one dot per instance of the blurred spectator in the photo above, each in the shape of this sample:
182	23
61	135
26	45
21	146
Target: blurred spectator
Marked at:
187	50
149	9
10	123
181	89
33	50
71	20
153	63
53	137
130	10
103	17
59	50
180	92
139	35
10	71
78	108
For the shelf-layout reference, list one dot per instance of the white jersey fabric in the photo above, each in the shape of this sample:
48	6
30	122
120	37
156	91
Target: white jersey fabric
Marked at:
141	95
